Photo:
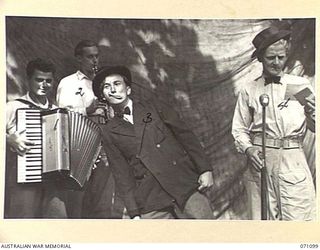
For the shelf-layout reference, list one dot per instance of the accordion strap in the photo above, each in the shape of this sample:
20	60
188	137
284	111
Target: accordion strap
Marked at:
32	105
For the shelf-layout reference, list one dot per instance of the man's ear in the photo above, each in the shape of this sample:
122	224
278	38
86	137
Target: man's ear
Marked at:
79	57
128	90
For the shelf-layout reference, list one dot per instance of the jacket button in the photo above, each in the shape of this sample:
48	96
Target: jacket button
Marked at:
158	146
137	156
174	163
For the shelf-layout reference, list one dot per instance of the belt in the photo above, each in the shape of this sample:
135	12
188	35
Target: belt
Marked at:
285	143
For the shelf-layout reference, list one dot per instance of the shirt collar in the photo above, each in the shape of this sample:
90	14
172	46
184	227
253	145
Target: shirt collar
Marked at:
130	105
28	98
81	76
281	74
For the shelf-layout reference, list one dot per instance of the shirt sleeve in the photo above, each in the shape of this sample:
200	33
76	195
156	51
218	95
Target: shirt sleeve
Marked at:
241	123
11	109
310	117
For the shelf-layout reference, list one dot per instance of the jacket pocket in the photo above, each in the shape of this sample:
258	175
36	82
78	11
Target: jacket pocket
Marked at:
293	178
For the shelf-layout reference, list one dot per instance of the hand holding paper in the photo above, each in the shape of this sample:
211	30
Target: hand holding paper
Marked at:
303	95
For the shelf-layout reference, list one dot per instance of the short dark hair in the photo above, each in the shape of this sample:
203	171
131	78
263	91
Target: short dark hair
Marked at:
41	65
78	50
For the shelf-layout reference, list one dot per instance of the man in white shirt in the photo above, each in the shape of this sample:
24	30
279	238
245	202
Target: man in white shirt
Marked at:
75	93
291	191
30	200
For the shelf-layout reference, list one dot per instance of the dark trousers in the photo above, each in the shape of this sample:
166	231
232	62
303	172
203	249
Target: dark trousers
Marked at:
92	200
31	200
43	200
197	207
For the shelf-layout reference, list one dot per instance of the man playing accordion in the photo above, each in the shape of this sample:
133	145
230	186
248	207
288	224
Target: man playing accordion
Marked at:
30	200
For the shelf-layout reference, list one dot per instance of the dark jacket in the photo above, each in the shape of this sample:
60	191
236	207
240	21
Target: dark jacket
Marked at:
163	144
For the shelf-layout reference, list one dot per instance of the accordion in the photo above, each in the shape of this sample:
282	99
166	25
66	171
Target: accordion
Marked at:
66	145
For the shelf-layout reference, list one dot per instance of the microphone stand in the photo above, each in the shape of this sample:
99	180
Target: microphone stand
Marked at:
264	100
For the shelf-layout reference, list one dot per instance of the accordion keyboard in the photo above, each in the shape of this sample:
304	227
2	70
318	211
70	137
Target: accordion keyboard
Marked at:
30	165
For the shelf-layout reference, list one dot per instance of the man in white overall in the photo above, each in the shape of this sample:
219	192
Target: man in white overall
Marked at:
291	191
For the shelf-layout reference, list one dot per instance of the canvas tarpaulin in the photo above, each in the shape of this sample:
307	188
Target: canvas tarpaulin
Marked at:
197	66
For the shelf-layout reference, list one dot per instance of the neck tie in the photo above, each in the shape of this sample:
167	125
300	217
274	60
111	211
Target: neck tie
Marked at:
126	111
272	79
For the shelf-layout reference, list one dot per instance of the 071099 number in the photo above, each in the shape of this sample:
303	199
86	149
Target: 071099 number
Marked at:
312	246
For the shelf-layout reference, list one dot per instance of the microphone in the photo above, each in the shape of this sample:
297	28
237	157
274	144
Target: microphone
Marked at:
264	100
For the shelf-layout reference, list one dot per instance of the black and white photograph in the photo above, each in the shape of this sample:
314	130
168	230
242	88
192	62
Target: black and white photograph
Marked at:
128	118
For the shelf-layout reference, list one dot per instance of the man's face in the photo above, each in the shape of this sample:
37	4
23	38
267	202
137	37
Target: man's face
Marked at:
115	90
274	59
89	58
41	83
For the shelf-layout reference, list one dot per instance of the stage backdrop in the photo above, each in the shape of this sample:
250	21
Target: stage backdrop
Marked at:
197	66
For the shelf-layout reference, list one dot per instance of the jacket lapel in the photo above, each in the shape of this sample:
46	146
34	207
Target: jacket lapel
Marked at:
139	114
144	118
121	127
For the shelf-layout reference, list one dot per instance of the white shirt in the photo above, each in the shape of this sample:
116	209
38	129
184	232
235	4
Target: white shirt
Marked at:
129	118
284	118
75	92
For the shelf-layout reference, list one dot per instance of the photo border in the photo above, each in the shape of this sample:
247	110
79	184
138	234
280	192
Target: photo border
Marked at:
98	231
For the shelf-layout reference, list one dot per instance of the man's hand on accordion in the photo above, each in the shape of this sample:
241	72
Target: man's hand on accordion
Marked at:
18	143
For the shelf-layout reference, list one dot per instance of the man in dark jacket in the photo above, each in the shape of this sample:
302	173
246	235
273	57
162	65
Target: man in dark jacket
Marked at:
158	164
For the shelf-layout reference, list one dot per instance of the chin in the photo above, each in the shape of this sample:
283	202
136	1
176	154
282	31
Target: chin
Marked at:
274	73
114	103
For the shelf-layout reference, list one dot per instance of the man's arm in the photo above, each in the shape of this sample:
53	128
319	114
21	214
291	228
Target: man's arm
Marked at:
242	119
189	142
15	139
184	136
309	110
241	123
